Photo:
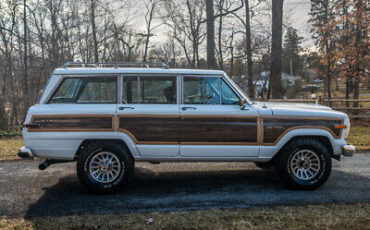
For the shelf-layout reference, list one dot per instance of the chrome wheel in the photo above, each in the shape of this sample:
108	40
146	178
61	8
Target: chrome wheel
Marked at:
305	164
105	167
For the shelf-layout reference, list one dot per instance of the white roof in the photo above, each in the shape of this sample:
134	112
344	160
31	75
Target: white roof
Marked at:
67	71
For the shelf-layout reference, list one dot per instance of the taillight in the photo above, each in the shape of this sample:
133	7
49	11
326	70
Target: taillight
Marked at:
32	125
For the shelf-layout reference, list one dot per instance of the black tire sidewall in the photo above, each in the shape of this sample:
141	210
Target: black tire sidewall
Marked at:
83	168
318	177
282	164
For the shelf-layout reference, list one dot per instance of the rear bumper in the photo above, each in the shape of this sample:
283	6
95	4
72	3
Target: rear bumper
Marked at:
25	153
348	150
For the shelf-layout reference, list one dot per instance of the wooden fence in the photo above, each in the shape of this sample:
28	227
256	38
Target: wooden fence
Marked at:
360	112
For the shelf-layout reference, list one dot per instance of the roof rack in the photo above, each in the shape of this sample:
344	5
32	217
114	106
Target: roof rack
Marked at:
115	65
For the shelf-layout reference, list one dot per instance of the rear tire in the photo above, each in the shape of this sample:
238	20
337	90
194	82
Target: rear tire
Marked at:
104	167
304	164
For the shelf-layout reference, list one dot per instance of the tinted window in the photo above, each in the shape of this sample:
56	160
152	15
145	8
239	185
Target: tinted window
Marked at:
130	90
86	90
201	90
158	90
152	90
66	90
228	97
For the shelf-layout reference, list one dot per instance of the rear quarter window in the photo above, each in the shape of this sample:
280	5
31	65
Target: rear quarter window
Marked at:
83	90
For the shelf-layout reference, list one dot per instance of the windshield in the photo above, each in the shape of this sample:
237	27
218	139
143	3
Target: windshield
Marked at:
241	92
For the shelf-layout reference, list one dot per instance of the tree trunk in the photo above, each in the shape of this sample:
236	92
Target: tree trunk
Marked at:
276	48
328	81
345	28
26	96
3	116
220	22
146	46
269	89
221	61
348	89
92	20
356	93
356	90
249	50
211	60
231	54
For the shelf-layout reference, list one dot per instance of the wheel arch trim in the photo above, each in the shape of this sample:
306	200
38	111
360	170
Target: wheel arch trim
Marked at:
120	138
269	151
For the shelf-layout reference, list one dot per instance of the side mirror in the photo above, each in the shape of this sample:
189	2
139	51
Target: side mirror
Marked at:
242	102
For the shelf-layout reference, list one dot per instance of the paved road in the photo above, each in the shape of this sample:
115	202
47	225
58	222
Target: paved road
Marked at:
26	191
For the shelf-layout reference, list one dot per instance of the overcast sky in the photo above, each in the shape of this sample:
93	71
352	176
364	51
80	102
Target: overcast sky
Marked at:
296	14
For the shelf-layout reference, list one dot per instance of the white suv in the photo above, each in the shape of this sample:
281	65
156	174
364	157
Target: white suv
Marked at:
107	116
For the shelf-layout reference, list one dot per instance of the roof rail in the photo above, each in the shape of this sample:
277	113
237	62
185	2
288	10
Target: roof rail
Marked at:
114	65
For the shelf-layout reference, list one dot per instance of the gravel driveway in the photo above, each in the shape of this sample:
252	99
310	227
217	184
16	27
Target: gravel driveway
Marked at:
26	191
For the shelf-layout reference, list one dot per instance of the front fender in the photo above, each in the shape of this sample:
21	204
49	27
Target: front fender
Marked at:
268	152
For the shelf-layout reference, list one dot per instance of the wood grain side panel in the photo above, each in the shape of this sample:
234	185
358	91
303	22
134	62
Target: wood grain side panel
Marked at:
190	130
275	128
73	123
222	130
154	129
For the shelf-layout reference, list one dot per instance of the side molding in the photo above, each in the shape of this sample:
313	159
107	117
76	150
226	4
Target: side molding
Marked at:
73	123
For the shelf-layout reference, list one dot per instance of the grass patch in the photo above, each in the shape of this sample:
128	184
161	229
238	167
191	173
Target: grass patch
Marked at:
9	148
7	134
359	136
331	216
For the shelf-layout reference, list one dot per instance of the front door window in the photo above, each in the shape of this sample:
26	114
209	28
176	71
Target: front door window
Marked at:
202	90
228	96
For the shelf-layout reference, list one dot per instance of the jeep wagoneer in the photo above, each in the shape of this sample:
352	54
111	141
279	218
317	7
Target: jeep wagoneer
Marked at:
107	116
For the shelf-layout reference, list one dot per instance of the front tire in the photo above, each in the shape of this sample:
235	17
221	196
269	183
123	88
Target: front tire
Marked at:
104	167
304	163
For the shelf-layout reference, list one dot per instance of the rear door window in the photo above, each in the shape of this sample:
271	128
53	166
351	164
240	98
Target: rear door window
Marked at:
149	90
130	90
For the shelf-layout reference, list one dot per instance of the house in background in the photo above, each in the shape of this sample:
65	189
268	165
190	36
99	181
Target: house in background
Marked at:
313	75
287	79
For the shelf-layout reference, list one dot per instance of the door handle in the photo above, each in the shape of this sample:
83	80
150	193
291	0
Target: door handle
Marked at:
187	107
125	107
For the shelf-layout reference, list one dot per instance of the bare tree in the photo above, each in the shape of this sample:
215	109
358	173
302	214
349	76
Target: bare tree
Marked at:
220	7
211	59
151	7
187	27
25	60
275	87
249	50
93	4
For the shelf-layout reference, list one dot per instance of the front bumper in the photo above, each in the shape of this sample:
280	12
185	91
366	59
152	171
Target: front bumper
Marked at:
348	150
25	153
